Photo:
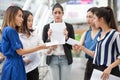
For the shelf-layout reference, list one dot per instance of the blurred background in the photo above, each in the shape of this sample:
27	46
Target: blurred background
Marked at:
74	12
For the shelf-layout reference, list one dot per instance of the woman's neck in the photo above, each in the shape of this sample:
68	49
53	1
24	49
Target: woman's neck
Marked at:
27	34
94	32
94	28
58	21
105	29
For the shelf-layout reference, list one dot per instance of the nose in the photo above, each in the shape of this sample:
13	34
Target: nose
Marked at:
57	14
22	19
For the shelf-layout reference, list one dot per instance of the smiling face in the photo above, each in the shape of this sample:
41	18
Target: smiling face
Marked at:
57	14
19	18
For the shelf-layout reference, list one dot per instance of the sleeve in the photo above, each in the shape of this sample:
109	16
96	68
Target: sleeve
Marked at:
118	46
45	35
0	47
14	39
70	34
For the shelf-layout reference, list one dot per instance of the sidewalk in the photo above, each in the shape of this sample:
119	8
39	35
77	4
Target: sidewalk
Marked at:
77	72
78	68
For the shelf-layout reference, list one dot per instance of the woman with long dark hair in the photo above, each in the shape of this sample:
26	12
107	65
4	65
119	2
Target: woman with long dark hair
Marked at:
61	59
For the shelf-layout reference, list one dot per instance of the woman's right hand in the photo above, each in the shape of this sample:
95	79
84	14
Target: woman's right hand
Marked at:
106	73
76	48
26	60
42	46
51	48
2	57
49	33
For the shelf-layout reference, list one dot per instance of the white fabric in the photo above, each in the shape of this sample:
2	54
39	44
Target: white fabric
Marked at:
34	57
59	50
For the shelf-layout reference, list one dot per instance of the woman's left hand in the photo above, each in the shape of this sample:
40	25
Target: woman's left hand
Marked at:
66	33
105	74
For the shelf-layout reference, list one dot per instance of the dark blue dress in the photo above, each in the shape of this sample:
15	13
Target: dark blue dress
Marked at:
13	68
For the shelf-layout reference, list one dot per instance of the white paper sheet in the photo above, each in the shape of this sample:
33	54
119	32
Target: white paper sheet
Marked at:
96	75
72	41
51	43
58	32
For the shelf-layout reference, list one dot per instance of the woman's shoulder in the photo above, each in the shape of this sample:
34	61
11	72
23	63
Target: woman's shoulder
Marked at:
116	33
9	28
48	24
68	24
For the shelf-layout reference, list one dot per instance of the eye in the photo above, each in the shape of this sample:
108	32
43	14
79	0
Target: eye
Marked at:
57	12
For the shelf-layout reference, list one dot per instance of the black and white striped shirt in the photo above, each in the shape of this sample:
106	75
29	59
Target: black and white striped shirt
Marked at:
107	49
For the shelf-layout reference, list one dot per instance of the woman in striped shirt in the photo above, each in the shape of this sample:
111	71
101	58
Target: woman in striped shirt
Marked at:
107	52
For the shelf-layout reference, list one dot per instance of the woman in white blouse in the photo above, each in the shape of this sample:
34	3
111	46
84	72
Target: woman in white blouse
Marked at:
29	39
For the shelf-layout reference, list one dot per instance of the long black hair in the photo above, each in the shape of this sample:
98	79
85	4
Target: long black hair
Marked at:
92	9
108	16
57	5
24	28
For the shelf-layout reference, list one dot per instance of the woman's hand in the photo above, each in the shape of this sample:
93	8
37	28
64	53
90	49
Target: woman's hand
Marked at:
2	57
76	48
26	60
66	34
54	47
43	46
49	33
105	74
81	47
51	48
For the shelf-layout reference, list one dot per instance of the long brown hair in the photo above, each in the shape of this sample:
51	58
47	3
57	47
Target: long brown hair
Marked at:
9	17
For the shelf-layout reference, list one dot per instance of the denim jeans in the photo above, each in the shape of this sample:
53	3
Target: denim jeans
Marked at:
60	70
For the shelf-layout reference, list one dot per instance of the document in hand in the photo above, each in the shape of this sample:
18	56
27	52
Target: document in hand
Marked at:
58	32
51	43
96	75
72	41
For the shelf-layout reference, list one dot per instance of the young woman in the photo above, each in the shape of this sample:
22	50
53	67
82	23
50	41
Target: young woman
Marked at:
89	40
107	52
11	46
30	39
61	59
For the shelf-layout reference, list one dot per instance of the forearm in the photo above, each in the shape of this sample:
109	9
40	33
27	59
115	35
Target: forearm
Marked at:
30	50
87	51
114	64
